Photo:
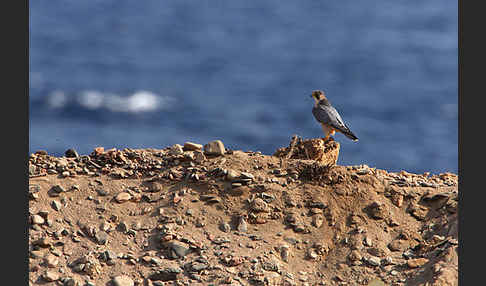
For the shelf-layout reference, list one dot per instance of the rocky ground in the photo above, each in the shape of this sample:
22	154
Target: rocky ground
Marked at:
206	215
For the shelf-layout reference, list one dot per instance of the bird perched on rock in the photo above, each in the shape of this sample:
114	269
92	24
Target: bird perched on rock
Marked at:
328	116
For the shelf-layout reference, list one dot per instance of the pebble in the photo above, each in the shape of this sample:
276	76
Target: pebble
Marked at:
367	241
101	237
177	249
71	153
197	266
245	175
50	276
317	220
189	146
215	147
285	252
242	225
51	260
417	262
355	255
199	157
56	205
37	219
232	175
123	197
375	251
259	205
57	189
122	280
102	192
225	227
398	245
122	226
376	282
175	150
374	261
71	282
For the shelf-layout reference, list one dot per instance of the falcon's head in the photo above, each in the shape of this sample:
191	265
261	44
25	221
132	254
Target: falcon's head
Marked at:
318	95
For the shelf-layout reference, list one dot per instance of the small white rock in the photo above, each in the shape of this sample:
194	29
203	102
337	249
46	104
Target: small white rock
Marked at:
215	147
374	261
176	149
122	280
123	197
37	219
189	146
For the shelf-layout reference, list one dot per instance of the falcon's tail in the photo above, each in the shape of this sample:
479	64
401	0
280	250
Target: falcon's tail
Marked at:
349	134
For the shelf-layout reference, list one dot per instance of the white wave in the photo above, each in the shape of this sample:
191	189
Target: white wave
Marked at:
56	99
138	102
91	99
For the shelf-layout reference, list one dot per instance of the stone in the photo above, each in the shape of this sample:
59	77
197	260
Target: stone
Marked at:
175	150
123	197
311	254
189	146
398	245
246	175
71	153
232	175
271	265
166	274
51	260
101	237
69	281
215	147
285	252
417	262
376	282
56	205
225	227
57	189
259	205
122	226
98	151
122	280
199	157
354	256
177	249
101	192
317	220
375	251
43	242
50	276
37	219
198	266
397	199
367	241
374	261
242	225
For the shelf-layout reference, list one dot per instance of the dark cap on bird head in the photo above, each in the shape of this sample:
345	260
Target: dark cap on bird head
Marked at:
318	94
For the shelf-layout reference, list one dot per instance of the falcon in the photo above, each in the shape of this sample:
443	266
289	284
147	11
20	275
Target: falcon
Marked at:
328	117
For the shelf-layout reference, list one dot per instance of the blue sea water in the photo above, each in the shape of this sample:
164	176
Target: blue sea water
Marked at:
137	74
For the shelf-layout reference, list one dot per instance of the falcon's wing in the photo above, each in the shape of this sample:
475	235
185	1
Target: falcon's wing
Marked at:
329	115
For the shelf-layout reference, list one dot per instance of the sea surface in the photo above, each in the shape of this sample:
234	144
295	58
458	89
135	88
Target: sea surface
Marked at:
149	74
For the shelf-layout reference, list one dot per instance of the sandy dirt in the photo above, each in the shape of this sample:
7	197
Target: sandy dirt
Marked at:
206	215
